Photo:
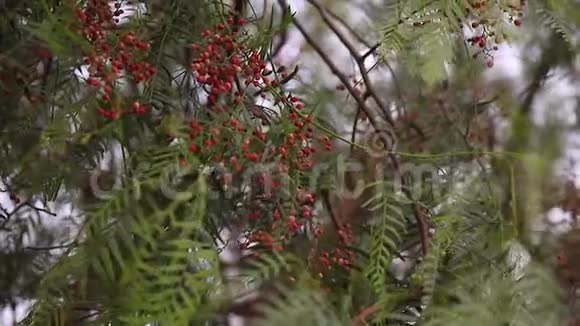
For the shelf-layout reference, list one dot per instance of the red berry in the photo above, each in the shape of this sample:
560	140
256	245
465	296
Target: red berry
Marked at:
93	82
252	157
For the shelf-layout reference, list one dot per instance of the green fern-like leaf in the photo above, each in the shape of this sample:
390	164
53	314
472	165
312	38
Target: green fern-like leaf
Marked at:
422	32
301	306
554	20
435	49
496	298
386	236
446	229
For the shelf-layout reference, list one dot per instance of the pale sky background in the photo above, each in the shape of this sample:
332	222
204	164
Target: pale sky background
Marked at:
559	92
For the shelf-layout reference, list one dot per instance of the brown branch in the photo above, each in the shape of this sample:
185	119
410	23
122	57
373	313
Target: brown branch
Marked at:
284	35
423	227
358	59
326	199
349	28
371	50
364	314
360	62
39	209
420	218
336	71
354	127
239	8
539	77
50	247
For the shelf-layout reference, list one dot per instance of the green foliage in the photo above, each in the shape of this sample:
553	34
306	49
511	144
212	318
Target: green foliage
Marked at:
560	16
148	243
497	298
301	307
428	48
158	253
386	237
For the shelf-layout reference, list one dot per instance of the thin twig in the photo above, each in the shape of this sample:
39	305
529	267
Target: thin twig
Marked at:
50	247
284	34
354	127
358	58
419	216
364	314
348	28
39	209
370	51
336	71
326	198
423	227
540	76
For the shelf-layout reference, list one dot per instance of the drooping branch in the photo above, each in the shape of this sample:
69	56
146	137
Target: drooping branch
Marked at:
284	35
360	100
336	71
359	59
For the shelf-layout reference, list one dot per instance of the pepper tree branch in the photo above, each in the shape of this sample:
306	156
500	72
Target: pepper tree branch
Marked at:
324	12
357	57
417	209
372	47
362	316
336	71
284	34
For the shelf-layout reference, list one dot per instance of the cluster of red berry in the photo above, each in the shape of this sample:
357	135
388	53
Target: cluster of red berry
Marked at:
485	15
241	133
111	53
219	64
339	255
486	41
